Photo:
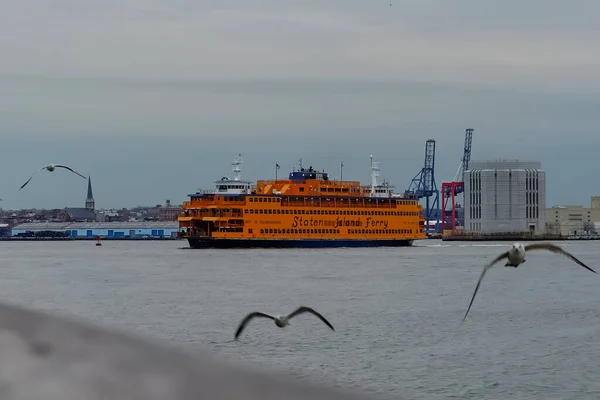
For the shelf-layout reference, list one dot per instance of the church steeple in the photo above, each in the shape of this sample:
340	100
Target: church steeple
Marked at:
89	201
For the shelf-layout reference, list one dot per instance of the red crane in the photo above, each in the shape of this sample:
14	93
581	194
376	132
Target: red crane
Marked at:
451	190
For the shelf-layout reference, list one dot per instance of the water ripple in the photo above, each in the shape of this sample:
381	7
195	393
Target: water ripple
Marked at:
532	332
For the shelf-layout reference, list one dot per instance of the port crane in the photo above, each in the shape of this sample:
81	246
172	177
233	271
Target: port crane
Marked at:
423	186
450	190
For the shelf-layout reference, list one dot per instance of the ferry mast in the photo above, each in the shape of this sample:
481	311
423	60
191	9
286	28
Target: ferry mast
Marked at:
374	175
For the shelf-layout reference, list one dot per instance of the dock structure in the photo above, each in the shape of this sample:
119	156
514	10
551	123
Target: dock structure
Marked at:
130	230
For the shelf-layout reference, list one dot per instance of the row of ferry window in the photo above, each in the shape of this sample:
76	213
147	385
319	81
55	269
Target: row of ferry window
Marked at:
384	231
329	212
333	231
299	231
278	200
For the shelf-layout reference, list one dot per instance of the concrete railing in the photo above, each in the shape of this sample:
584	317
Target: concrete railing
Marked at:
50	358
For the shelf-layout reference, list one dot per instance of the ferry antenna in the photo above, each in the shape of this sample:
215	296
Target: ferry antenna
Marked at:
235	166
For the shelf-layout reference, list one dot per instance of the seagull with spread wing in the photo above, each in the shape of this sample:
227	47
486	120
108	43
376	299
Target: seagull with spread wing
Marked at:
515	256
280	320
50	168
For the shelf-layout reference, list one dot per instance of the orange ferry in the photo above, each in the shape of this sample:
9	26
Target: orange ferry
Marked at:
305	210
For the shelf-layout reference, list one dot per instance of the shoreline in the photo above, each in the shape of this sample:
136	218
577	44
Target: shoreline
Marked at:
510	238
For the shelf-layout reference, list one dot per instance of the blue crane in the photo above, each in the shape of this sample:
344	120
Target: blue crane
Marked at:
423	186
464	165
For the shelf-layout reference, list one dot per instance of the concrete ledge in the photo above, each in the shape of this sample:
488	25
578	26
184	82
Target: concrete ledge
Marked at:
499	238
48	357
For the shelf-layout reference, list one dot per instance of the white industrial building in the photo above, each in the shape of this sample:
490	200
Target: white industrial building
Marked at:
505	197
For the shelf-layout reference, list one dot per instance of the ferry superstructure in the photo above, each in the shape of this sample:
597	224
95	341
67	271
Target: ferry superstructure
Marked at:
305	210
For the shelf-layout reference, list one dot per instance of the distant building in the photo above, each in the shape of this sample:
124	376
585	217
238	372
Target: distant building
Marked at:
90	204
574	220
168	212
505	196
4	230
70	214
78	214
107	216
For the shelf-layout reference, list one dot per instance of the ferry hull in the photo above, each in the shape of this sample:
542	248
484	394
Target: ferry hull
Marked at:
214	243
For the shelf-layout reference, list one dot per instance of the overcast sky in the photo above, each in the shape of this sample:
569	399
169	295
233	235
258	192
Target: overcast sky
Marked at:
155	98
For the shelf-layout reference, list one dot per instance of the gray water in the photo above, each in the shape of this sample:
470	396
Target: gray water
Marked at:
532	332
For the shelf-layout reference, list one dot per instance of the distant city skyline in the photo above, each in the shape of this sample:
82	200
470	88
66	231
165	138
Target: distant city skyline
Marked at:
154	99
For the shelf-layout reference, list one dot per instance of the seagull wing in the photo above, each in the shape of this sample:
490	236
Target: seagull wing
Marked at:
556	249
44	167
247	319
70	169
302	310
485	269
25	184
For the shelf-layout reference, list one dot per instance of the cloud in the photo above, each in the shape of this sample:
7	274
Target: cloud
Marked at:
545	42
186	84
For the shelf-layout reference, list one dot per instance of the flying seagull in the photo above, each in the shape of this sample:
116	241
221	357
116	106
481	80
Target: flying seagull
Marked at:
50	168
280	320
516	256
